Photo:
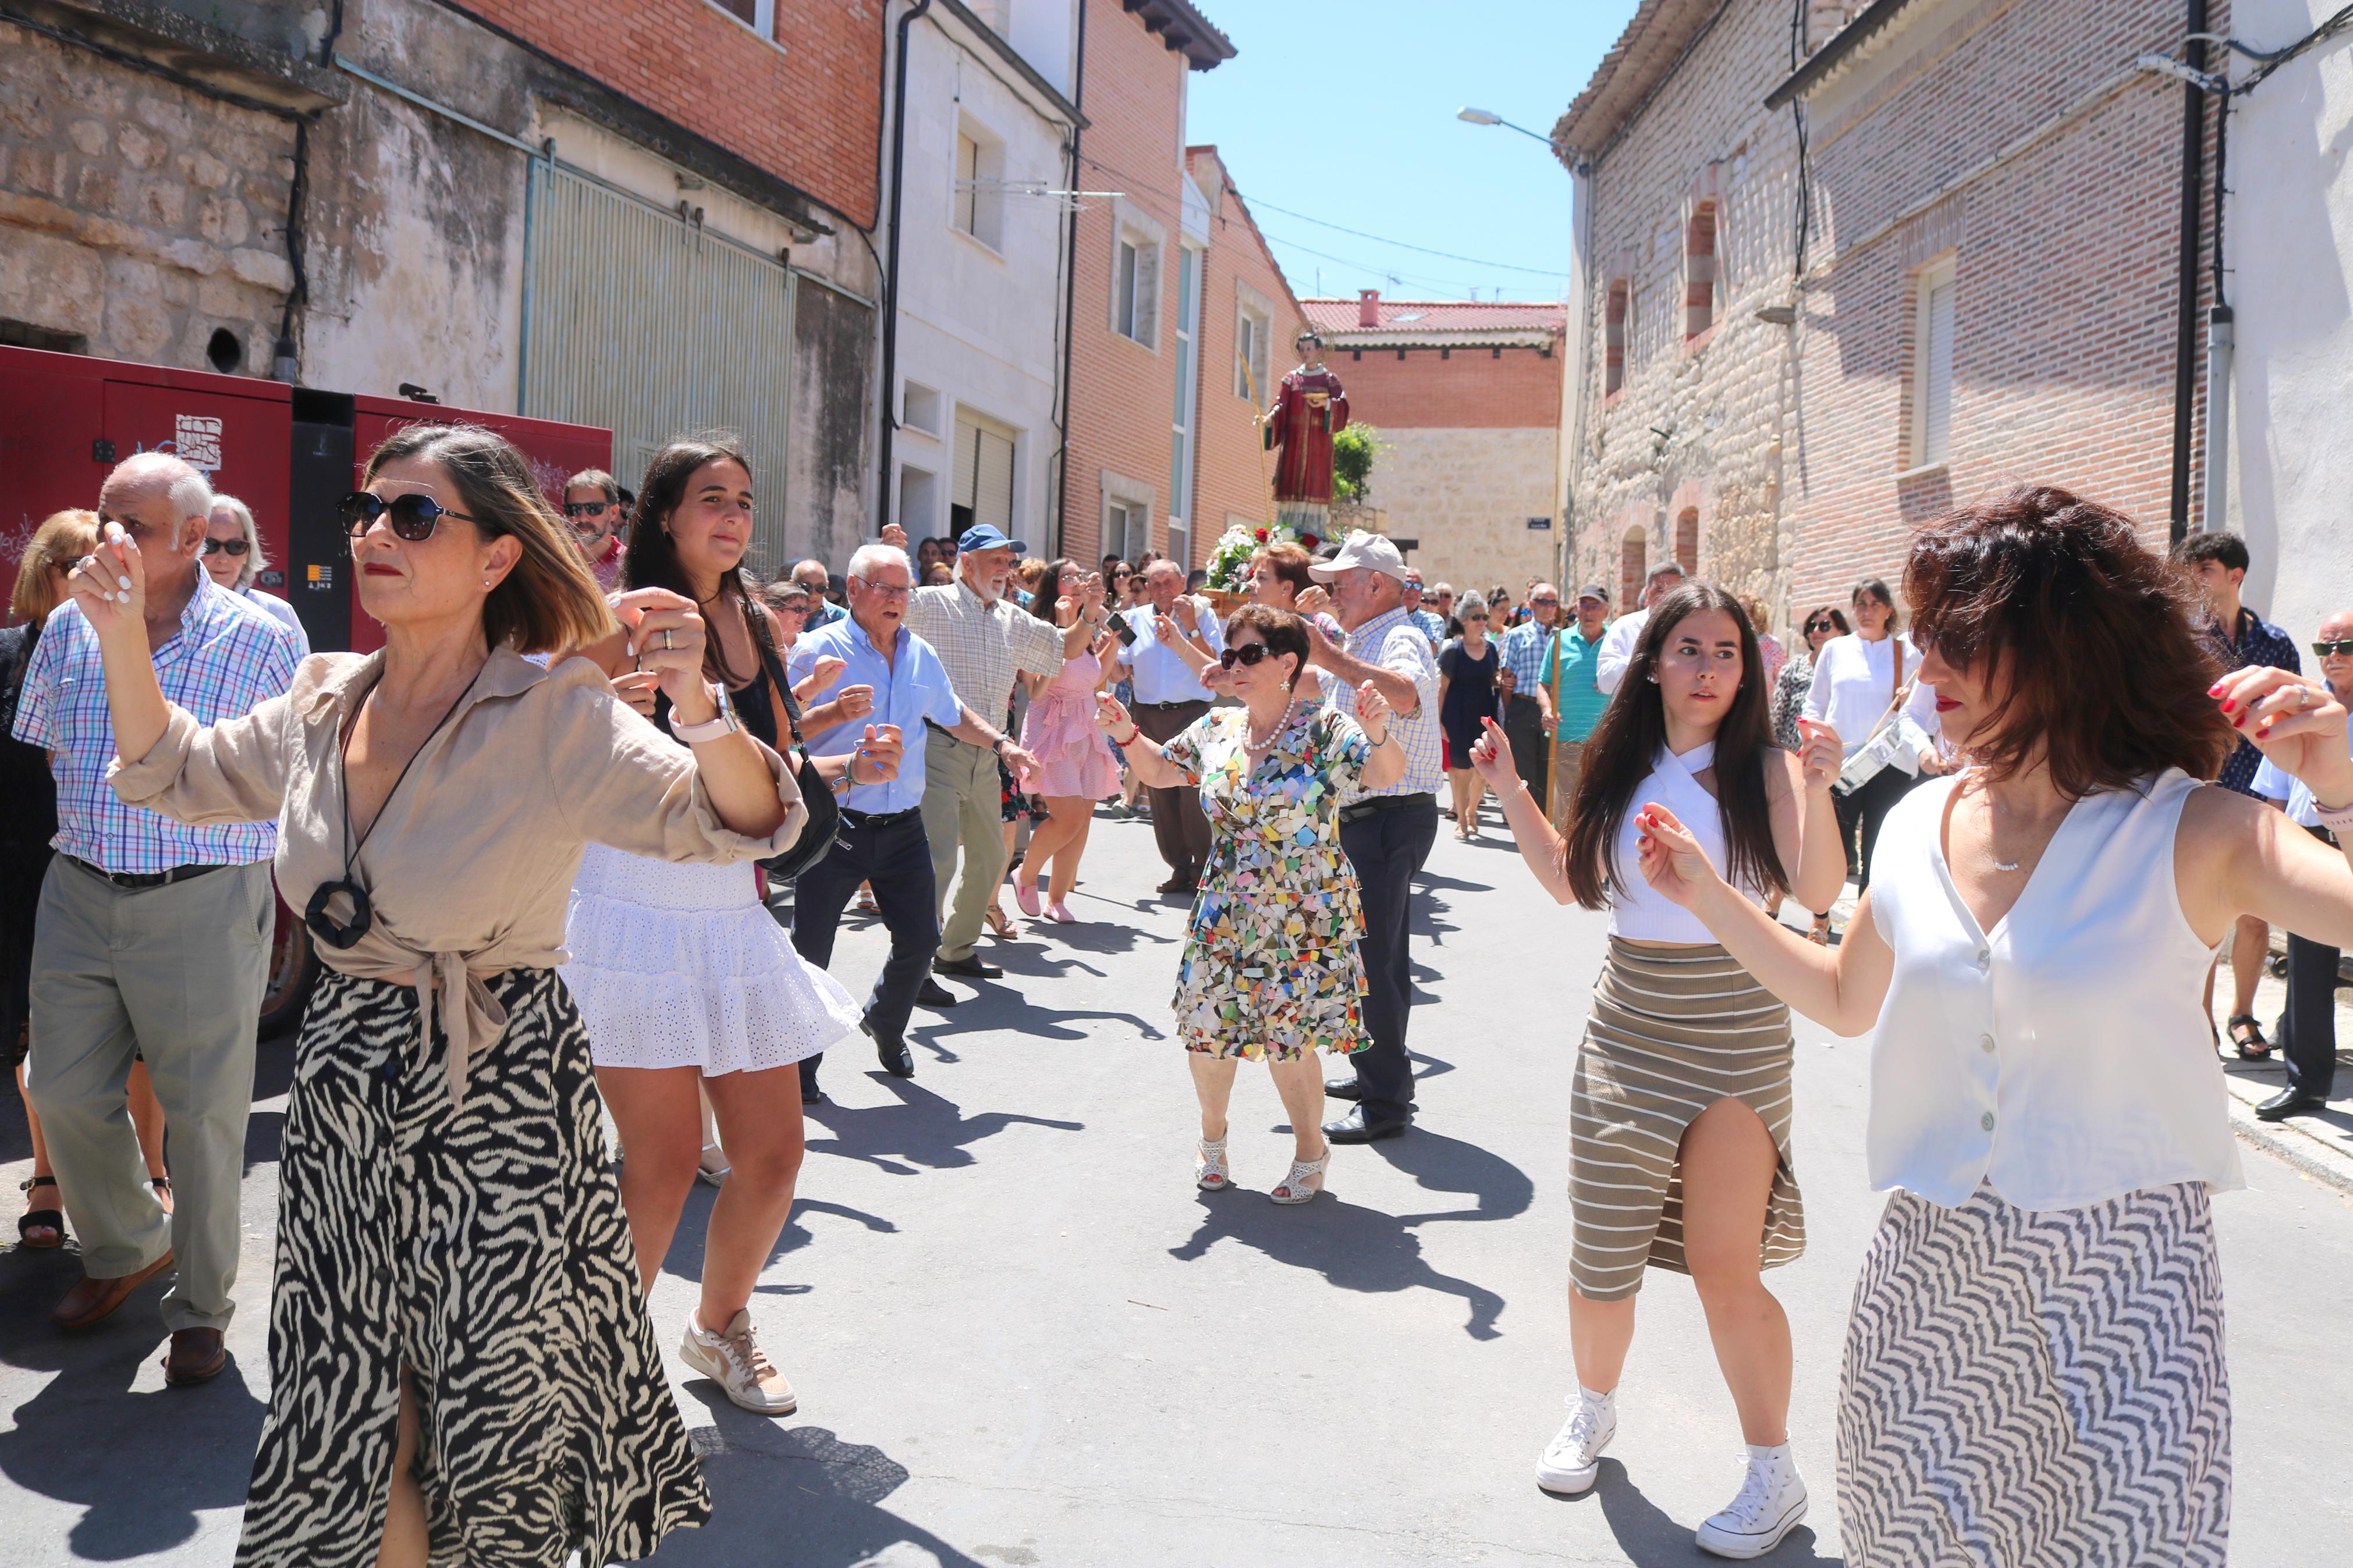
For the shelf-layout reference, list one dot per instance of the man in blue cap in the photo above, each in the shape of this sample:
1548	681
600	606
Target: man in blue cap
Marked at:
986	640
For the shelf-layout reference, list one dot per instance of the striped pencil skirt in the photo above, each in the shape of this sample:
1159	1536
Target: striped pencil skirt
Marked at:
1672	1031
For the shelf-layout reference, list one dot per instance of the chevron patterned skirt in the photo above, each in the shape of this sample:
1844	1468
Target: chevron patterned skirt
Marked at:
2036	1387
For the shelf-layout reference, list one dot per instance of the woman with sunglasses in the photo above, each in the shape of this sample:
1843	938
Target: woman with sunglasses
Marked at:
1797	678
1467	667
1271	967
1679	1122
453	1256
232	558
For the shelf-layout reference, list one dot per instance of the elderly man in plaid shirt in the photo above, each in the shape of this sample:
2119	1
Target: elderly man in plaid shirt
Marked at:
152	937
1524	656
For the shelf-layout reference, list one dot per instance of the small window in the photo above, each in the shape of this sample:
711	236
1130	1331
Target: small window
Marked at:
1699	270
1127	529
1253	350
1932	375
1613	337
16	334
1688	541
983	473
918	502
919	408
978	208
760	16
1633	565
1136	288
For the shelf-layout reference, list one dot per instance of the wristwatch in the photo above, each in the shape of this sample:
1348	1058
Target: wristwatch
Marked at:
997	750
723	722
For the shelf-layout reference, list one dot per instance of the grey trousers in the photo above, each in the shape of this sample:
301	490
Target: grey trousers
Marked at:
964	802
174	974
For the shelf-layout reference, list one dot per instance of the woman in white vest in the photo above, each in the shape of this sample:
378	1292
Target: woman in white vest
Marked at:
2034	1367
1864	682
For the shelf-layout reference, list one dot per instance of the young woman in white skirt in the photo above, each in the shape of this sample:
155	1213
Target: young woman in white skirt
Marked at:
688	985
1679	1147
2034	1365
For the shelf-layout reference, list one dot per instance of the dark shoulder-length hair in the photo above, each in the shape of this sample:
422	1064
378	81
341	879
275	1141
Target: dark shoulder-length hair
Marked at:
549	603
1049	591
2087	634
1283	631
652	558
1627	740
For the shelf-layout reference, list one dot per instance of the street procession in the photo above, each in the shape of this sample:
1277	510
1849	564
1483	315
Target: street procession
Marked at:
665	656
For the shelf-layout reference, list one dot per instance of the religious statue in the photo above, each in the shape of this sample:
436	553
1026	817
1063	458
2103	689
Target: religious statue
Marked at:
1309	410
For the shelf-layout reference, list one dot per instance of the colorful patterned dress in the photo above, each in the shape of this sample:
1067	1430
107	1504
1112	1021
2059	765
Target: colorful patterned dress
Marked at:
1270	966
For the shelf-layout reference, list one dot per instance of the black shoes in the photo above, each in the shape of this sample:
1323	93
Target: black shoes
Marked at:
1342	1087
970	966
2290	1102
1357	1128
810	1093
932	993
896	1059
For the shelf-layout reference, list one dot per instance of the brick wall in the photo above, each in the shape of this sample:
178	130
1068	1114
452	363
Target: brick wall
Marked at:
805	108
1465	496
1796	436
1461	389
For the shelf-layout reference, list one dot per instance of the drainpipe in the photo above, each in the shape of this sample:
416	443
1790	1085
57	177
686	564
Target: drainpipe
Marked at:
2221	342
1060	521
886	499
2185	348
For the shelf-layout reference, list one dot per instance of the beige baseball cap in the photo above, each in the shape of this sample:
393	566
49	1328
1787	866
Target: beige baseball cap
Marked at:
1367	549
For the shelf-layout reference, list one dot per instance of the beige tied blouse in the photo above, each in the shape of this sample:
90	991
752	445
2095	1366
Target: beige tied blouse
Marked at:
470	864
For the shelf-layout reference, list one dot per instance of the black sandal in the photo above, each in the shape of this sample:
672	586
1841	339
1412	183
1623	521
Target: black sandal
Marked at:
40	1219
2251	1045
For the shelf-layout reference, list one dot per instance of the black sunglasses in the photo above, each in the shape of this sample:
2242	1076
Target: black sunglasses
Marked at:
2341	645
234	546
585	508
414	517
1248	653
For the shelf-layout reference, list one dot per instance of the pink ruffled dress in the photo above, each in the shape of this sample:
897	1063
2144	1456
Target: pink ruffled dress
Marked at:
1074	756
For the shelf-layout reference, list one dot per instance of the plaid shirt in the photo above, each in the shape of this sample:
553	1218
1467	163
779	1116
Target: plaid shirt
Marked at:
982	645
1393	642
2258	643
227	657
1432	625
1523	649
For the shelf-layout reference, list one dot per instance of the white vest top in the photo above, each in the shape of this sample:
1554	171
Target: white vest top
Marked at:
1636	911
2065	1055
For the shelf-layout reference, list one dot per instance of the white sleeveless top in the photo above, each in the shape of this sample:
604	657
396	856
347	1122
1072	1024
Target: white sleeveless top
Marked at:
1636	911
2064	1056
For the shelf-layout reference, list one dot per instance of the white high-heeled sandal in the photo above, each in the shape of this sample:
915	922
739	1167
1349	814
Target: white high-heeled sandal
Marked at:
1210	1172
1302	1172
714	1175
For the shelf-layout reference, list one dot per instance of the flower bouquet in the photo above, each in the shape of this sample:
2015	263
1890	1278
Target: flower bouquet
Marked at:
1230	562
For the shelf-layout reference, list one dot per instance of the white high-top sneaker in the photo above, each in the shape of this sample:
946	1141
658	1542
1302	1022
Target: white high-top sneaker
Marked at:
1573	1458
1772	1500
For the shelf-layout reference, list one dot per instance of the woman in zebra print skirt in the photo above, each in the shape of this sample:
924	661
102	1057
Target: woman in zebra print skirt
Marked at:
1679	1125
2034	1369
461	1366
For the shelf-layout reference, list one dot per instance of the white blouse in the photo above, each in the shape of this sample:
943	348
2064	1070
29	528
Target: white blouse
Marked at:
2063	1056
1854	679
1637	911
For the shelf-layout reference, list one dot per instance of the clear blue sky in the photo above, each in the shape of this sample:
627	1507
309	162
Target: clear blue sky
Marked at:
1345	112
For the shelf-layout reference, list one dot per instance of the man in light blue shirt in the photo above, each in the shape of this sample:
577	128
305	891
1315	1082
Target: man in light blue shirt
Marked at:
882	842
1176	638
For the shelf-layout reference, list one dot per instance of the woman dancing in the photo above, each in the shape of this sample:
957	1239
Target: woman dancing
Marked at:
1076	766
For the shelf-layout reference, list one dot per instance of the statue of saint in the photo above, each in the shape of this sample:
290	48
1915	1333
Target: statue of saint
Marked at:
1309	410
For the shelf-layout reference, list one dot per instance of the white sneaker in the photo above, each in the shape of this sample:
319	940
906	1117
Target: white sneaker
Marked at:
1572	1460
1772	1500
736	1363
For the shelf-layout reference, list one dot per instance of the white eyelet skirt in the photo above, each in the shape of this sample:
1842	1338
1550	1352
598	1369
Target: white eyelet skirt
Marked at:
681	965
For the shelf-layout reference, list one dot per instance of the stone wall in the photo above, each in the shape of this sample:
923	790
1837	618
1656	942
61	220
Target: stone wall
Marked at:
1466	496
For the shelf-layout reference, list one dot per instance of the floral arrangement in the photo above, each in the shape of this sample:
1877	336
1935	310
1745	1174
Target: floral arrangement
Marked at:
1230	562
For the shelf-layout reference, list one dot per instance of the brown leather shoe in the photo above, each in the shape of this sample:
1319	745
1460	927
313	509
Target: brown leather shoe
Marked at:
197	1356
93	1300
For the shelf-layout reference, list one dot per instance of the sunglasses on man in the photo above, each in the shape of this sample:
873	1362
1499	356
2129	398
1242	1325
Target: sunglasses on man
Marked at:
413	517
234	546
587	508
2339	644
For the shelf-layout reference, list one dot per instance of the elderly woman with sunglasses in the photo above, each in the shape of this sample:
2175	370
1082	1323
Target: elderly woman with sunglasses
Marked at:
1271	967
452	1255
233	559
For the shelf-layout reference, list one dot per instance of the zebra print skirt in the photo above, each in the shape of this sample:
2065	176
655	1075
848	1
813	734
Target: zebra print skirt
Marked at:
2036	1387
485	1251
1672	1031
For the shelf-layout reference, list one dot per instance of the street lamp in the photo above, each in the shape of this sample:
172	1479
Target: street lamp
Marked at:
1488	116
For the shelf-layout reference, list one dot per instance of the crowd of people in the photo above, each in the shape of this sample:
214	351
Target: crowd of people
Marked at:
580	838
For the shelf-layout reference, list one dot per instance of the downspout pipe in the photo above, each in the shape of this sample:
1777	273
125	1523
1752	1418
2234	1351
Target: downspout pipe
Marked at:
886	496
1062	519
2222	338
2185	351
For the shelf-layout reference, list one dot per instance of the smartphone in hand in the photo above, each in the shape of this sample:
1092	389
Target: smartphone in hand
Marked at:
1124	630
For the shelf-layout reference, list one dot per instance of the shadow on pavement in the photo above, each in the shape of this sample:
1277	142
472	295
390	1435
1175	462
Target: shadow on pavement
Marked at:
684	1260
1439	1164
1649	1538
923	1129
797	1495
1353	1247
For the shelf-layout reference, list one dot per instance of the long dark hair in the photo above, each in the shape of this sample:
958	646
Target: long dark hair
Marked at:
652	559
1627	740
1050	587
2091	631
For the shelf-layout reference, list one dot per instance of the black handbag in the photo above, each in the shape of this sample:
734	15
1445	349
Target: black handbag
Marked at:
824	824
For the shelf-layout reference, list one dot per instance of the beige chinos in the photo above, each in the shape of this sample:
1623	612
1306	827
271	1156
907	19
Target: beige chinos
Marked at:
964	801
174	974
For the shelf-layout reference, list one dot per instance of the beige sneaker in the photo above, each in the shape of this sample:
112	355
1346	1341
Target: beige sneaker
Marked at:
736	1363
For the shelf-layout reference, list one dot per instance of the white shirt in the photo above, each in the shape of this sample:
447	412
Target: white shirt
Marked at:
2064	1057
1854	679
1618	649
1636	911
284	612
2275	782
1160	674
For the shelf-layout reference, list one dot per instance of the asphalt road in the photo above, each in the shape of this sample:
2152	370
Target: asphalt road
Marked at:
1020	1336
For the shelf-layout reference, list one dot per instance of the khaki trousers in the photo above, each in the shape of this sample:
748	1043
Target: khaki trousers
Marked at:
964	802
1567	765
172	973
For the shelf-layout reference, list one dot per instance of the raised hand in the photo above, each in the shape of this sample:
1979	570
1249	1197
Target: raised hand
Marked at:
1672	862
894	536
2295	721
1187	611
854	702
825	672
666	635
111	583
1110	718
1373	709
1312	602
883	751
1091	590
1822	756
1490	758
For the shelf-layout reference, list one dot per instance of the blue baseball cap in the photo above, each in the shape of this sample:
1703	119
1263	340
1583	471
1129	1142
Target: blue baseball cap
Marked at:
984	536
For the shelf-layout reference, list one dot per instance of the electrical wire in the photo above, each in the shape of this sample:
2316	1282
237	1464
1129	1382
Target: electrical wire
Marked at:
1399	244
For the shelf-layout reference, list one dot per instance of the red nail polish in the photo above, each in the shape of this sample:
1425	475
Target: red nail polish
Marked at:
2215	690
2232	706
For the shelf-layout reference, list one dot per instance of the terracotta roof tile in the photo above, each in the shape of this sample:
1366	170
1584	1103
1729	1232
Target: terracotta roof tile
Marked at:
1416	317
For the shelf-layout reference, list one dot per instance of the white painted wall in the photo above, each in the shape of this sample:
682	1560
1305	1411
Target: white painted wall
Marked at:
2288	230
977	324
